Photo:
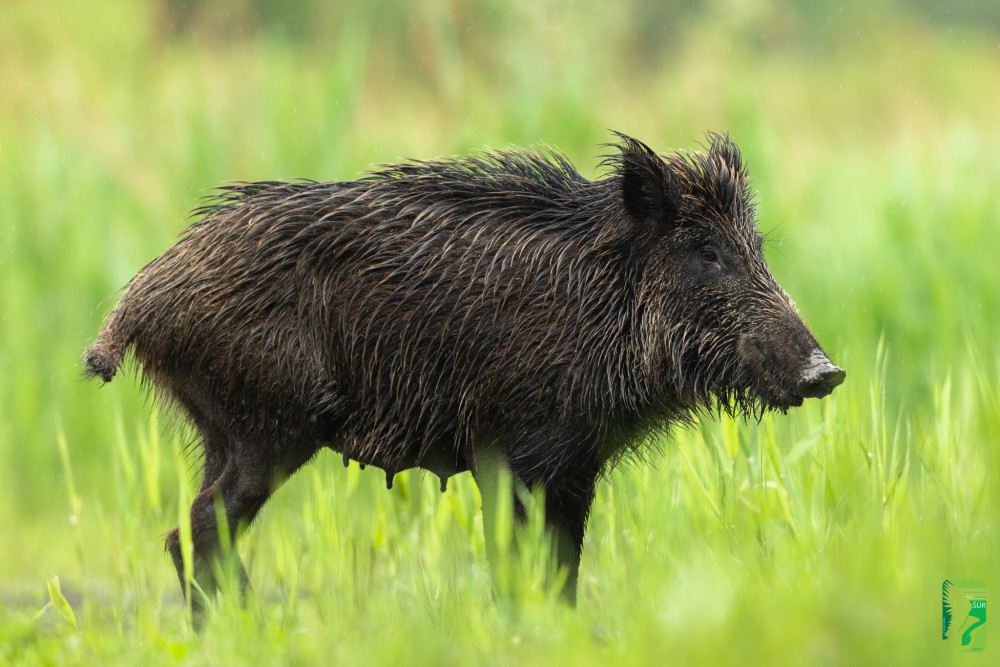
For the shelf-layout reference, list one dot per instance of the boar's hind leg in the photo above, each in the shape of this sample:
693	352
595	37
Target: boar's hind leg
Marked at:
241	479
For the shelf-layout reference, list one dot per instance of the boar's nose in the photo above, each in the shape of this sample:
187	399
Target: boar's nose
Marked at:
819	377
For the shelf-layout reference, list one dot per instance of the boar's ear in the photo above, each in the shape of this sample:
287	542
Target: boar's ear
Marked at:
647	191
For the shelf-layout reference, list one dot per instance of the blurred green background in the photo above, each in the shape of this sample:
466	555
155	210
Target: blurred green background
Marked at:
871	131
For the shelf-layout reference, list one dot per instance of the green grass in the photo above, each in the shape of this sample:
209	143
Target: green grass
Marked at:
821	536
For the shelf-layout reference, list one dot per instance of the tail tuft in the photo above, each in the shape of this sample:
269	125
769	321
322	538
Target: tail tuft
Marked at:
100	361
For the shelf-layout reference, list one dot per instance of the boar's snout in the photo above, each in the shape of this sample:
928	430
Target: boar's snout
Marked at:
788	364
819	377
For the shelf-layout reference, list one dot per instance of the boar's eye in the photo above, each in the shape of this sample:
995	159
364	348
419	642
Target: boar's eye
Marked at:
708	255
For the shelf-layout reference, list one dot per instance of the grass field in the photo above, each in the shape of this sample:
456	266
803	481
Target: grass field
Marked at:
820	537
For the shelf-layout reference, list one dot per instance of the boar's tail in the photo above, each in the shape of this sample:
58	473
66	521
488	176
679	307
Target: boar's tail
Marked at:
103	357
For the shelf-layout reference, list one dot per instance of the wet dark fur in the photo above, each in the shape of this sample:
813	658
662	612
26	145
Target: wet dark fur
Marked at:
431	309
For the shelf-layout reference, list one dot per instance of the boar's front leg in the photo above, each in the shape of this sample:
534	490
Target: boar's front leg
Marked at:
566	511
567	505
